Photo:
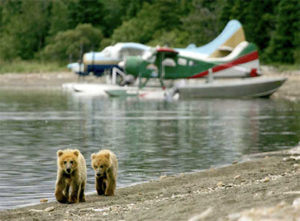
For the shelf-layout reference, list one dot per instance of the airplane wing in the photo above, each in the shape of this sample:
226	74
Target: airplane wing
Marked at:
168	52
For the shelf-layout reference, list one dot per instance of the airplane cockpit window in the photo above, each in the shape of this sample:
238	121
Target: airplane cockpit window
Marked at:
123	53
149	56
169	62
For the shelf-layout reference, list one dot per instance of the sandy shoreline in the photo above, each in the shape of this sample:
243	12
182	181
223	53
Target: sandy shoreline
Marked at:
263	187
51	80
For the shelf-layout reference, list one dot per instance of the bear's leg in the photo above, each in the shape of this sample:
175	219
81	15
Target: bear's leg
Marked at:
59	195
100	186
74	193
81	195
111	186
104	184
67	190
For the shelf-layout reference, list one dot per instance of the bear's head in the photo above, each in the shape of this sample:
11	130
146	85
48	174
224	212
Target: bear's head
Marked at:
68	160
101	164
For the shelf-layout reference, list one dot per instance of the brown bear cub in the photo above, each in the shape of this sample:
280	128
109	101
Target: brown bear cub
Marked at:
105	164
71	173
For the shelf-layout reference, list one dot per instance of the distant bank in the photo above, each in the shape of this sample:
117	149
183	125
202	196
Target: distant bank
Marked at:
54	80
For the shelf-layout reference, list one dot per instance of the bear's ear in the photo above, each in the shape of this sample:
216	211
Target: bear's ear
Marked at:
93	156
76	152
107	155
59	153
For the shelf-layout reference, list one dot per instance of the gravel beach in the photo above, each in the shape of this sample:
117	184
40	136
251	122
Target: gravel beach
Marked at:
259	187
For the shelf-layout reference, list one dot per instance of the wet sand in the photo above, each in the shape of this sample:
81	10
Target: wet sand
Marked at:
260	187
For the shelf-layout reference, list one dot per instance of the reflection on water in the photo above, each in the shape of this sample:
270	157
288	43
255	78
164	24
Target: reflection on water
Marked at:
150	138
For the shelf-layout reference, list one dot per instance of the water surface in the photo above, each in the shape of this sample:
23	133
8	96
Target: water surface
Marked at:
150	138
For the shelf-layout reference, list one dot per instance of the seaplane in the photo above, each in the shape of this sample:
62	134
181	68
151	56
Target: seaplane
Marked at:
98	63
227	56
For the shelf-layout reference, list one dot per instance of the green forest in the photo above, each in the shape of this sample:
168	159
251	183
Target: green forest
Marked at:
62	30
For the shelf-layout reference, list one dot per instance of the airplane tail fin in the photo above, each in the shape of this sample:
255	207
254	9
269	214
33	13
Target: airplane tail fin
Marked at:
223	44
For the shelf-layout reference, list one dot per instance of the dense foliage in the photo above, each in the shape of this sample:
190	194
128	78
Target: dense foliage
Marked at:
61	30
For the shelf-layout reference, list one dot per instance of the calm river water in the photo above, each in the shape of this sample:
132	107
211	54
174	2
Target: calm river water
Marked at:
150	138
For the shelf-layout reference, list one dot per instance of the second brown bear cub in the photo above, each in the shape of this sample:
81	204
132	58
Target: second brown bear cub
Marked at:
105	164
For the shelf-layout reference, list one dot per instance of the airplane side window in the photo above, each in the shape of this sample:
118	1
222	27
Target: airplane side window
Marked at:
182	61
191	63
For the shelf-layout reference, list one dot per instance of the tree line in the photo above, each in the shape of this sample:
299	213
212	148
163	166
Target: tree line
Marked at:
62	30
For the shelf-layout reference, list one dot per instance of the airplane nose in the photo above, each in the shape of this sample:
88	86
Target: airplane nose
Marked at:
132	65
